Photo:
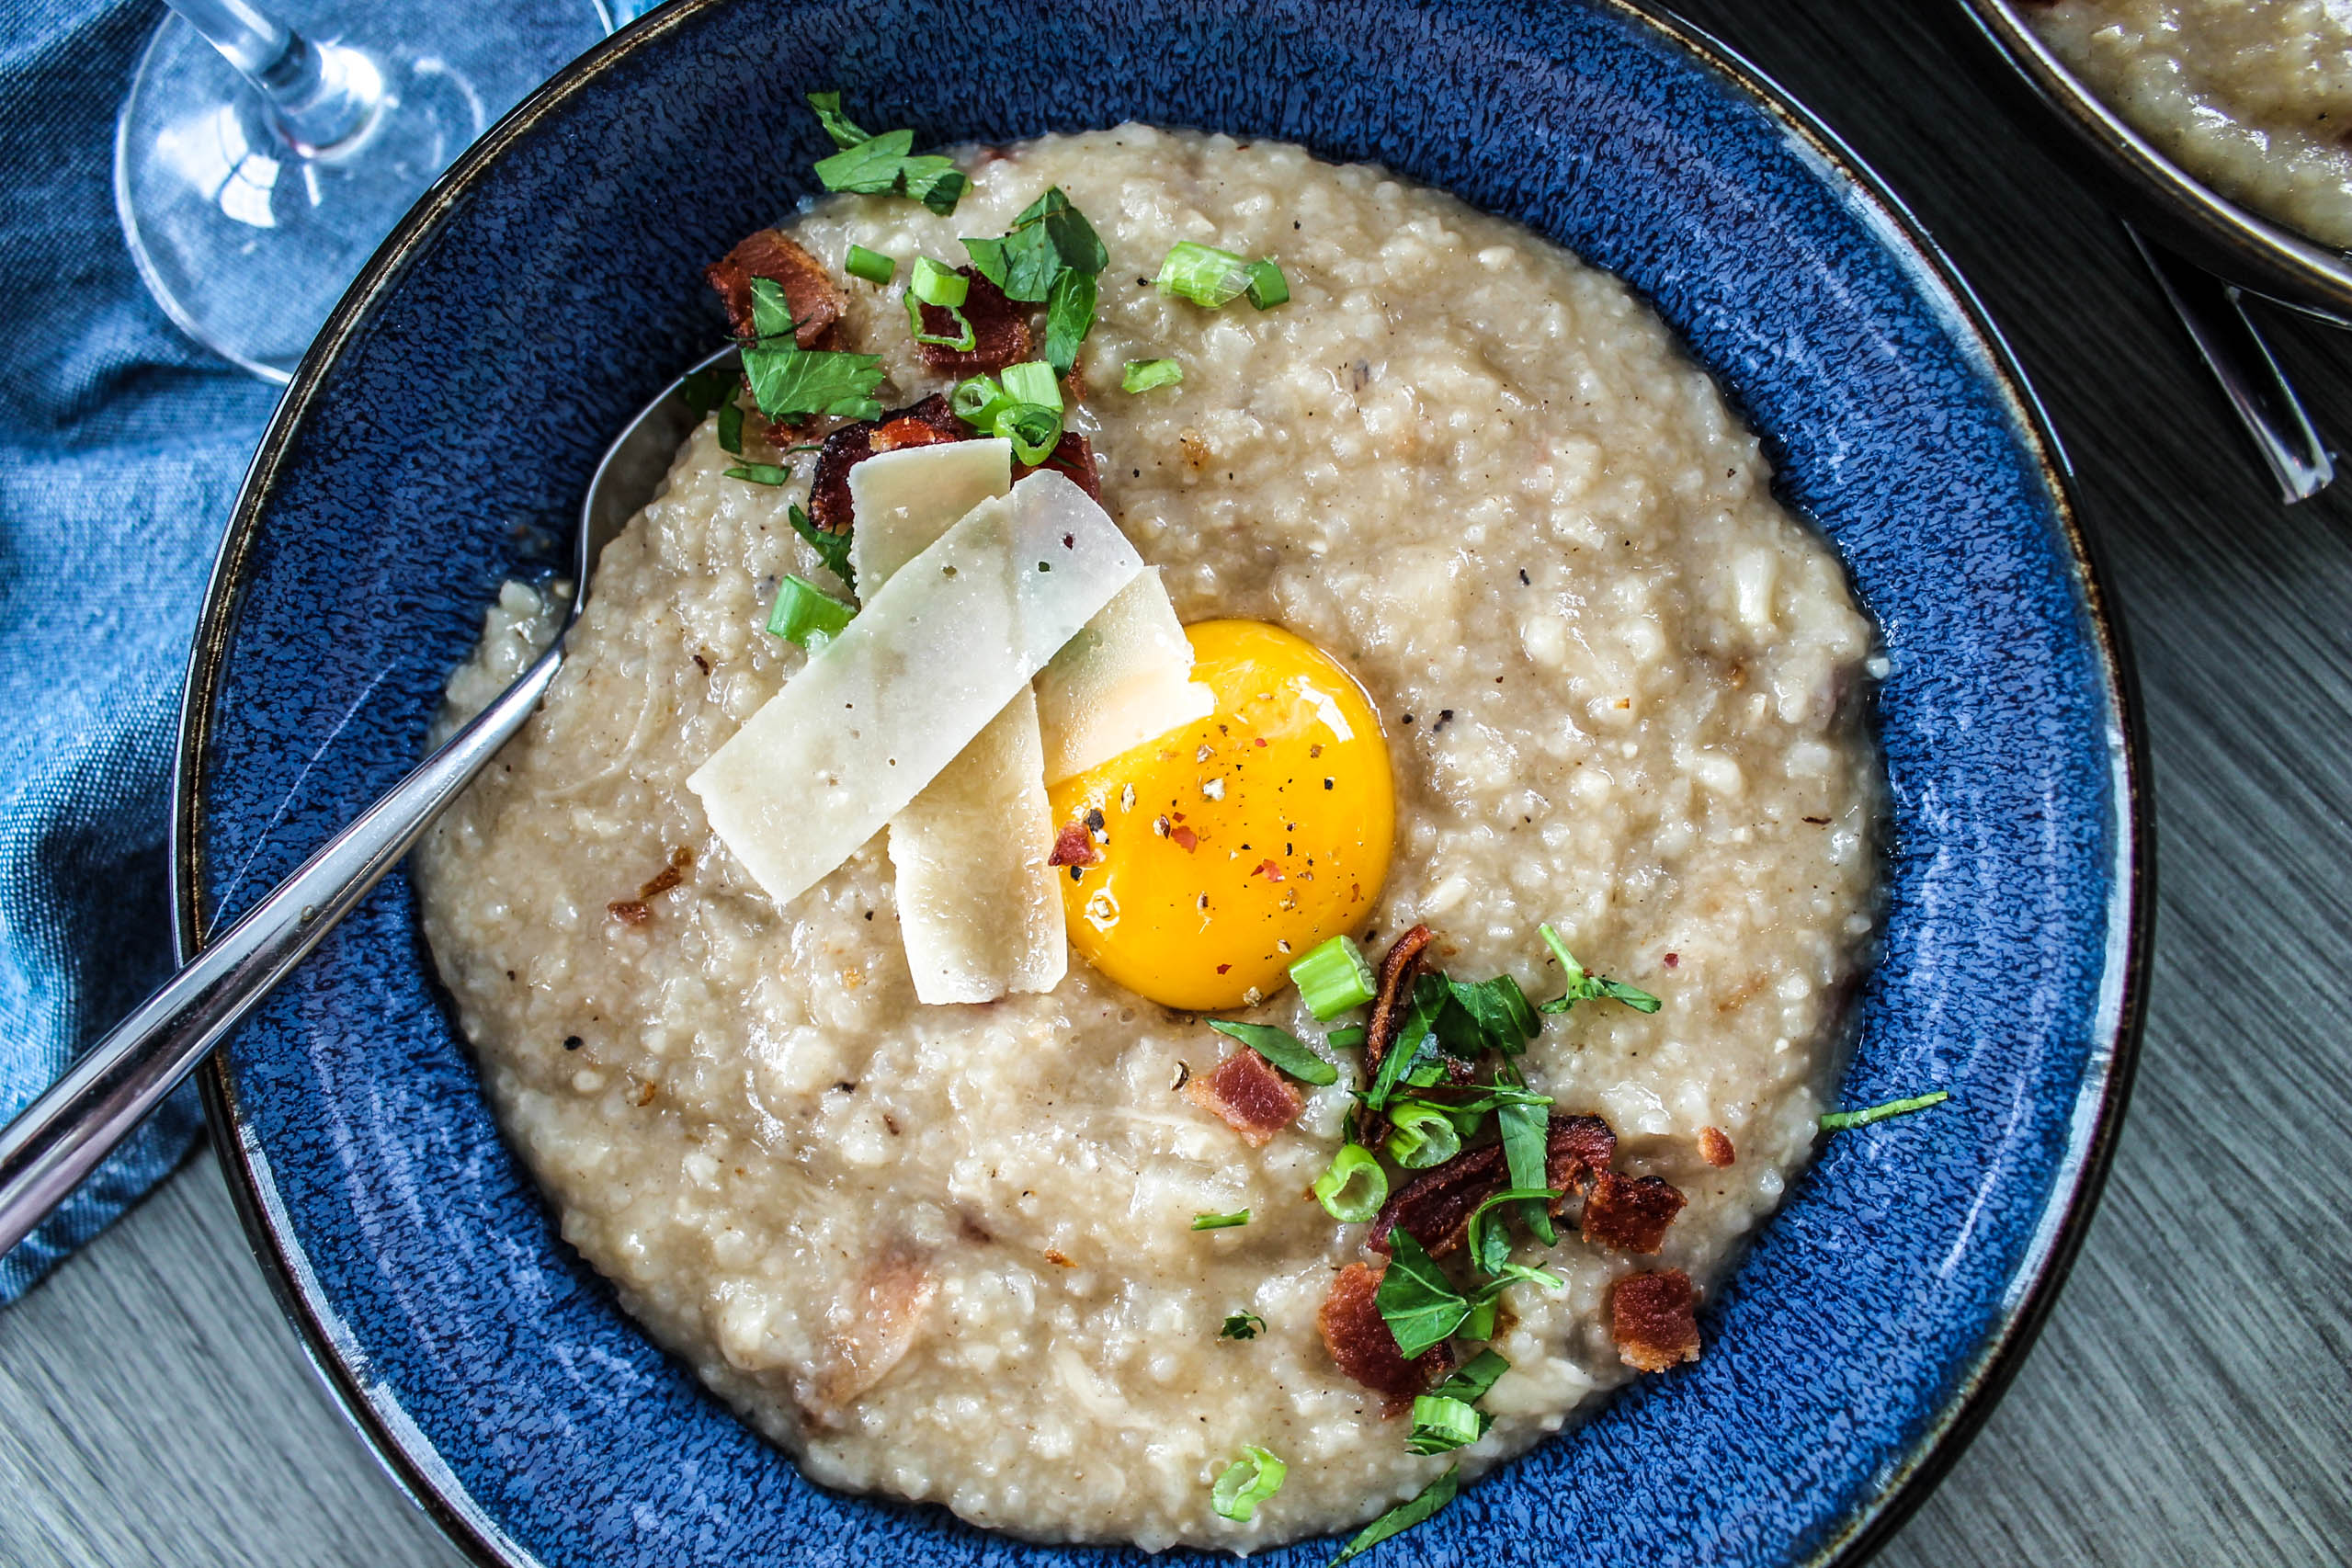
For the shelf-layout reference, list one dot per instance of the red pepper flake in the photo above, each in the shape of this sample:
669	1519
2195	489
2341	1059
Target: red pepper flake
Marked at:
1673	959
1269	869
1073	845
1654	1318
1185	839
1714	1148
1223	967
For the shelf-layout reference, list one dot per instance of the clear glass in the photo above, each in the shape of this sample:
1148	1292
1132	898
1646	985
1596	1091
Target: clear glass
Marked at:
259	162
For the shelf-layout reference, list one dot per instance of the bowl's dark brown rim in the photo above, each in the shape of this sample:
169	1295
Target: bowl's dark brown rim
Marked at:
413	1465
2270	258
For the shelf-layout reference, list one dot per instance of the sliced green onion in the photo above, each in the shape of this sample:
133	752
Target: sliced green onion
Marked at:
1424	1136
1280	1047
1033	429
1479	1322
870	264
1403	1516
1244	1324
1441	1425
1220	1222
961	340
759	473
1032	380
1335	977
807	615
1142	375
1203	274
1267	287
730	428
1353	1188
1247	1482
977	400
936	285
1838	1120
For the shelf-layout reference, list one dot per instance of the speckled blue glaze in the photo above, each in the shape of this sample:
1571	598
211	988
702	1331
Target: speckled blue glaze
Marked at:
442	433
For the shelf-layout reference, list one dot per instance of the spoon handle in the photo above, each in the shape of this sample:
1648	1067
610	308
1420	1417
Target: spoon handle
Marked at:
2259	391
61	1136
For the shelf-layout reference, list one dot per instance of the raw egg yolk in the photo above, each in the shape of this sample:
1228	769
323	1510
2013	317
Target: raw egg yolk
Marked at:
1227	849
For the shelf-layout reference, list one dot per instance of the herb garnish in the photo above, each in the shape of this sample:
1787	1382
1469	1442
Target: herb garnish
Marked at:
1837	1121
1489	1244
706	390
1142	375
787	380
1349	1039
760	473
1419	1304
1220	1222
1247	1482
1051	255
1403	1516
881	165
1280	1047
1447	1417
730	428
1241	1326
832	549
1583	987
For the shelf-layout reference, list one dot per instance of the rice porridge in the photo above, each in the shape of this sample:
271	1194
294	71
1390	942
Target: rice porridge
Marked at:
2254	97
950	1252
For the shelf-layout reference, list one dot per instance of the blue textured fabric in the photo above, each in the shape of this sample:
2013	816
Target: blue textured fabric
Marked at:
120	446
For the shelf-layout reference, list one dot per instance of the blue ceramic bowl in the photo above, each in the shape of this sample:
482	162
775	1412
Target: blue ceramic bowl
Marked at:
439	437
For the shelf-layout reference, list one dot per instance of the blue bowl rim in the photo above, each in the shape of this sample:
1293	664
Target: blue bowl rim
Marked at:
2091	1142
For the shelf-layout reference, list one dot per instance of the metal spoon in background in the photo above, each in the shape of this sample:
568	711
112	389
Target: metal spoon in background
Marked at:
2214	314
61	1136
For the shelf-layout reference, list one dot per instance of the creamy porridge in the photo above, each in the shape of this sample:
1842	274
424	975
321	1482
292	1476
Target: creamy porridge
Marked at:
949	1252
2254	97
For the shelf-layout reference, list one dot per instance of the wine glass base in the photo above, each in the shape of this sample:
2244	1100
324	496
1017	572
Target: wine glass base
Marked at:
246	242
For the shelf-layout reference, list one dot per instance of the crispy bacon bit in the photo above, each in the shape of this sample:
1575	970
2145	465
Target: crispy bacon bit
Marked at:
905	432
1631	1213
629	910
1269	869
1073	845
1714	1148
1436	1206
1576	1149
1363	1347
669	876
1255	1100
1655	1320
1000	330
1398	970
1074	458
853	444
815	299
1184	839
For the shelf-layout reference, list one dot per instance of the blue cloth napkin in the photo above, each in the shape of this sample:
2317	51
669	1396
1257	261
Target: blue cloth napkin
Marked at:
121	444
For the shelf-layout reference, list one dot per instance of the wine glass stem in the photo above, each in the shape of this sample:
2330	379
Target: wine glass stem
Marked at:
317	95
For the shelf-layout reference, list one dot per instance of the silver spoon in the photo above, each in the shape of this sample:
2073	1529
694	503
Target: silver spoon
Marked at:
61	1136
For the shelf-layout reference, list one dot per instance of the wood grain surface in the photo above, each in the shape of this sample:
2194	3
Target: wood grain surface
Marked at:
2188	1404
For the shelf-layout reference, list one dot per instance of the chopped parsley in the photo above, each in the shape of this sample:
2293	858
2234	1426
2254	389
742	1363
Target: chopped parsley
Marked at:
789	382
1474	1377
1241	1326
1489	1244
1416	1301
1837	1121
706	390
1049	238
760	473
1220	1222
1352	1038
730	428
1403	1516
1583	987
1280	1047
884	165
1247	1482
1068	316
832	549
1144	375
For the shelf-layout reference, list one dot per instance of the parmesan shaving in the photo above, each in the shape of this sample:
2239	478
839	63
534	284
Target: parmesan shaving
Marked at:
1124	680
934	656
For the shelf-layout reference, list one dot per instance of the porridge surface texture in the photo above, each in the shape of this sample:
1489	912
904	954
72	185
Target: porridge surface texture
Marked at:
2254	97
944	1251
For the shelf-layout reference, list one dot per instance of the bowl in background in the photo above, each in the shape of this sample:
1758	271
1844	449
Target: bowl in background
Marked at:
438	438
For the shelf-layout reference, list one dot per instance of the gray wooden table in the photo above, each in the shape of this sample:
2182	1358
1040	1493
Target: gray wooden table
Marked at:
2188	1402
